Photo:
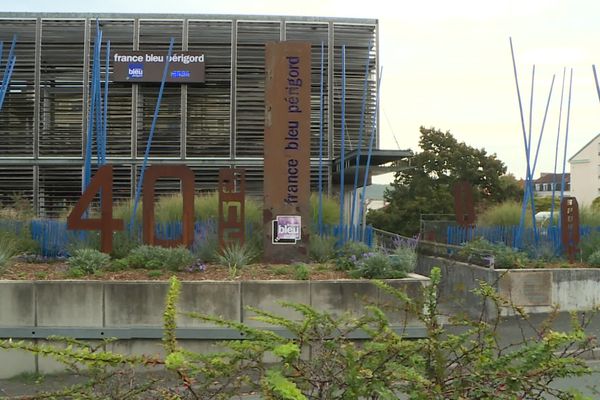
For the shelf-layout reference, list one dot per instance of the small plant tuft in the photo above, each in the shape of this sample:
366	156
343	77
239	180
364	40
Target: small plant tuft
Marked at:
236	256
87	261
321	248
301	271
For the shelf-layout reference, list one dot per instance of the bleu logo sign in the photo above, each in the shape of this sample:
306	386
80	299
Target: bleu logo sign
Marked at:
180	74
136	71
287	229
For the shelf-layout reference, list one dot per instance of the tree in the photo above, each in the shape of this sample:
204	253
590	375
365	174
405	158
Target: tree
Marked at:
426	186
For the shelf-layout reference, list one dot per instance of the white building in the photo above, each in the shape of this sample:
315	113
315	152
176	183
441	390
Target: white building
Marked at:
585	172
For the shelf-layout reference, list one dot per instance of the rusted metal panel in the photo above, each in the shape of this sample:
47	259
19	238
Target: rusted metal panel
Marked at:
102	181
186	175
569	219
287	146
464	208
232	196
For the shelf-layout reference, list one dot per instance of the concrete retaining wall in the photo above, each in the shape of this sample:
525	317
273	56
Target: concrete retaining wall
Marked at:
536	290
96	309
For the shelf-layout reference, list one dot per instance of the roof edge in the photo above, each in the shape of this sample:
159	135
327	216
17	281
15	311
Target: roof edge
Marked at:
244	17
581	149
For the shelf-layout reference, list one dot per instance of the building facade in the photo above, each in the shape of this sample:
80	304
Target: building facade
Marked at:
549	183
208	126
585	172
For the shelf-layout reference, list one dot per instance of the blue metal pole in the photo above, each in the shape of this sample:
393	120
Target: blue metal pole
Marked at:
562	181
562	91
152	127
342	151
320	216
8	58
87	169
9	70
359	147
99	107
537	151
371	141
522	220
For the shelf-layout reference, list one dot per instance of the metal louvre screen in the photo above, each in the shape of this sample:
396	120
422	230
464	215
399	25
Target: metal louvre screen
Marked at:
209	105
60	188
17	116
120	34
16	182
207	126
356	39
250	93
61	88
155	35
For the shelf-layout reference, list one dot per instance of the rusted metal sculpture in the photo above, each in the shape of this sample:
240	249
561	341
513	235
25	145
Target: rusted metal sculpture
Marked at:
569	219
186	175
232	196
103	180
463	204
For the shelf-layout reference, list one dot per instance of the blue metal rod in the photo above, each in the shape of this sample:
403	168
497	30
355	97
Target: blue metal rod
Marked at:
8	59
152	127
342	151
562	91
9	69
562	181
522	220
359	147
105	119
99	106
537	151
529	177
87	169
320	217
371	141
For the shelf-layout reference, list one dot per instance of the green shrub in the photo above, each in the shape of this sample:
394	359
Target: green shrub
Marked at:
589	216
155	273
589	244
594	259
301	271
444	364
504	257
349	254
321	248
379	266
123	243
404	259
504	214
156	257
88	261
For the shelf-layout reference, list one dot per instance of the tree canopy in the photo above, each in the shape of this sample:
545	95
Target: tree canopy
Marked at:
426	186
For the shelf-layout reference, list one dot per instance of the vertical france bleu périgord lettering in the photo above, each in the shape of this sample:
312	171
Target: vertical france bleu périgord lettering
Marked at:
292	136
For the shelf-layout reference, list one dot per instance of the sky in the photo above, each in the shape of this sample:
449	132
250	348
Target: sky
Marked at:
447	64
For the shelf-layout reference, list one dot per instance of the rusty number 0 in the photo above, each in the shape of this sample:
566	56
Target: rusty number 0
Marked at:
103	181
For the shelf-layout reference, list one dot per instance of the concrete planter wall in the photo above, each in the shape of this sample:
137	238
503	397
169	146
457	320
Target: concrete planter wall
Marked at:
536	290
133	311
